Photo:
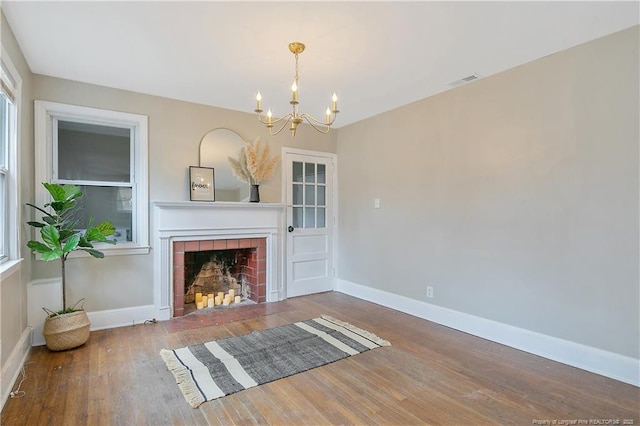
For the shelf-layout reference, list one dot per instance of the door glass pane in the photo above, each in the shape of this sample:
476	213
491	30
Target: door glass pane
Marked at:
321	195
310	172
309	195
297	194
297	217
107	203
322	174
93	152
309	217
321	217
297	171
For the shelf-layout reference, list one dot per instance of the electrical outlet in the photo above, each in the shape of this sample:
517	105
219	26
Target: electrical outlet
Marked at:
430	292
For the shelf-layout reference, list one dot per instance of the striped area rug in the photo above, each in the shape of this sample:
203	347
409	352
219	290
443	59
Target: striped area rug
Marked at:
211	370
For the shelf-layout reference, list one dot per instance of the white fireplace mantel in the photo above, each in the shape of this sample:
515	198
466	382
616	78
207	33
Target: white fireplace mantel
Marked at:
194	220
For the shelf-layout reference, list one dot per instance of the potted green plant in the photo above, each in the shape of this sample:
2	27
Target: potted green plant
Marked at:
60	236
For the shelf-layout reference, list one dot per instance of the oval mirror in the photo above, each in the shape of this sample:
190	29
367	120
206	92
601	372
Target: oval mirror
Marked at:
215	149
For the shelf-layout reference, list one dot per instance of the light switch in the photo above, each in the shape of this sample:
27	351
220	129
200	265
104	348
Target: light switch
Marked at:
376	203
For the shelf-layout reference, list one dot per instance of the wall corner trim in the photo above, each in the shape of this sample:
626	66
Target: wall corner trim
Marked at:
11	369
605	363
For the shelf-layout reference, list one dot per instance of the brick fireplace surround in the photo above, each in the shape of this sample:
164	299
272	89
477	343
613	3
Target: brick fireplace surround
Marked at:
255	270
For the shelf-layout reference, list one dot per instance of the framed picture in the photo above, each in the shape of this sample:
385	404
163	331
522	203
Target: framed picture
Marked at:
201	184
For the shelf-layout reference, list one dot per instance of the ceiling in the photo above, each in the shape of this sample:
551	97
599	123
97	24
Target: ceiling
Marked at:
376	55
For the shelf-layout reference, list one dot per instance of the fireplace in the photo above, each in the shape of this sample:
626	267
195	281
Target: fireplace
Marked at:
213	266
181	227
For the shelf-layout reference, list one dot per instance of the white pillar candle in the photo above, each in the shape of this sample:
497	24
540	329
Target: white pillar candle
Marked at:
218	300
237	299
232	293
210	302
226	302
198	297
221	295
199	305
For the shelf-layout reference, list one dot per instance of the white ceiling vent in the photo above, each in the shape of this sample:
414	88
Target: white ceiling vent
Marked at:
464	80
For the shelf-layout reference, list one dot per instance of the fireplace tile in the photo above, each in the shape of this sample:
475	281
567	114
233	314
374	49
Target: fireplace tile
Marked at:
232	244
192	246
178	247
244	243
219	244
206	245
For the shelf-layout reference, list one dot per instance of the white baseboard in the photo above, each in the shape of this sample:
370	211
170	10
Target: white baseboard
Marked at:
609	364
123	317
111	318
13	366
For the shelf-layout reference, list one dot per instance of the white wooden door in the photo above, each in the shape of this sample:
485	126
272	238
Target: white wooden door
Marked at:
310	222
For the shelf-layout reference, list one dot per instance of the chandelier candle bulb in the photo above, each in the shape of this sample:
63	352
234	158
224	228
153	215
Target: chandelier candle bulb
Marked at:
334	100
269	116
328	115
258	102
294	92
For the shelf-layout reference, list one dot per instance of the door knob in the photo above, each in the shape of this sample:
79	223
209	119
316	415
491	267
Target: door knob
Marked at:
290	228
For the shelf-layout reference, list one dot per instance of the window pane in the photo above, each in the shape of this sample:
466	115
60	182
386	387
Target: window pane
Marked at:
297	217
92	152
310	172
107	203
297	194
321	195
309	195
5	220
297	171
4	130
309	217
321	173
321	218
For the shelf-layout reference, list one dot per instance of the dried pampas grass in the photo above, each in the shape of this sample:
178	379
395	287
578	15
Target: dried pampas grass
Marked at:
253	164
239	167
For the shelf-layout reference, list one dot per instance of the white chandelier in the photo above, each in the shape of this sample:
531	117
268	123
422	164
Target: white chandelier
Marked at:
294	118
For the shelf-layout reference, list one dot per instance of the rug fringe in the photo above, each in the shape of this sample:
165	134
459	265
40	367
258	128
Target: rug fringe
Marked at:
376	339
183	378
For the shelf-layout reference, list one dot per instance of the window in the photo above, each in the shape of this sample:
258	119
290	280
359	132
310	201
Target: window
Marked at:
105	154
10	86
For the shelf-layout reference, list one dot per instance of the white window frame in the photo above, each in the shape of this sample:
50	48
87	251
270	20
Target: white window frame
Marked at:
12	259
46	113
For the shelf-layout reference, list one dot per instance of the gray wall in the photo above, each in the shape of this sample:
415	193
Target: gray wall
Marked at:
13	303
515	197
175	131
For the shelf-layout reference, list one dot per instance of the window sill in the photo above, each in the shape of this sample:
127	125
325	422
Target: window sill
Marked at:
111	251
117	250
8	268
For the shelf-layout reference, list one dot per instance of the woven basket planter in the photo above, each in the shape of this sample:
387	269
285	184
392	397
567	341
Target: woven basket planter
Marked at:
66	331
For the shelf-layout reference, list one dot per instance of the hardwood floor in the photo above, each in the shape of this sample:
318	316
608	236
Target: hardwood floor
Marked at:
430	375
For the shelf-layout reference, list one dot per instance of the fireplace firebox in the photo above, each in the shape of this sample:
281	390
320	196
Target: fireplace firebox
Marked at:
210	266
